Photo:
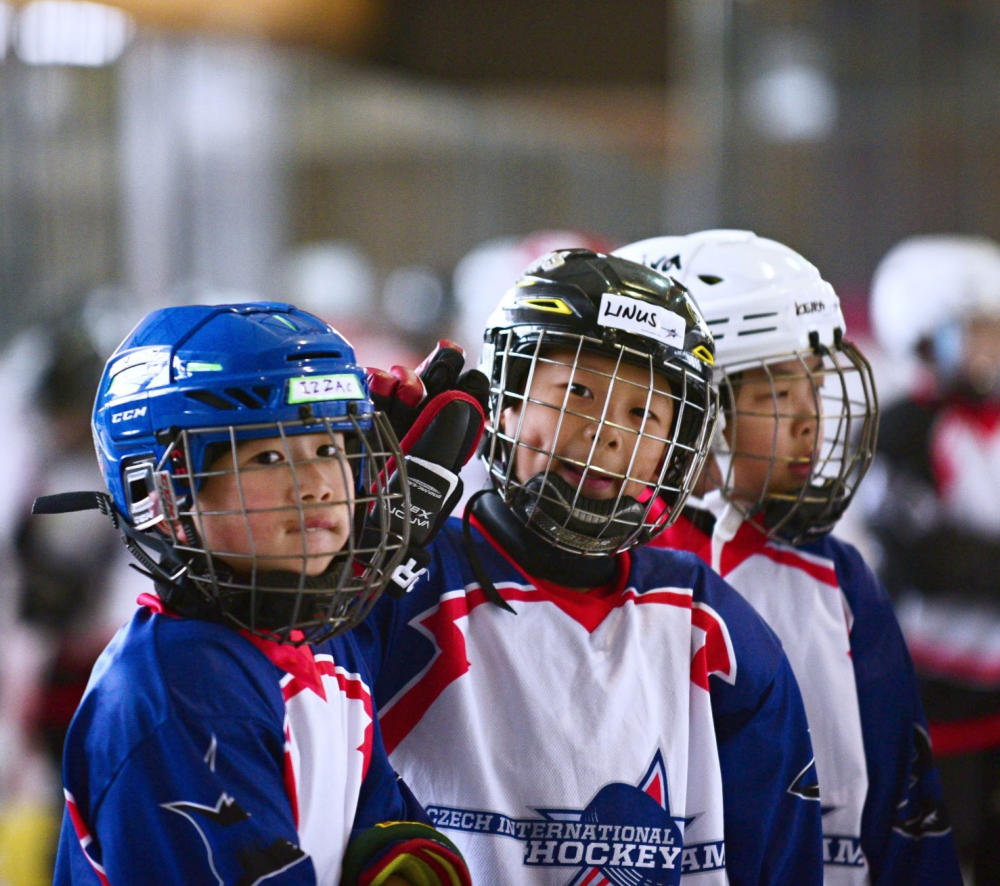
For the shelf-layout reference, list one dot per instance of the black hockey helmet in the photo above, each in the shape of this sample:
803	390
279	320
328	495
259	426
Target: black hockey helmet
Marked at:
577	301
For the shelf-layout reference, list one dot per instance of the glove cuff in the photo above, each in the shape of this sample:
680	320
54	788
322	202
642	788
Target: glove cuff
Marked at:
412	850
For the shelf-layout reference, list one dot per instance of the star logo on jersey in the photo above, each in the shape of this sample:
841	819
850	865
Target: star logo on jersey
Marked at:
921	814
624	836
633	839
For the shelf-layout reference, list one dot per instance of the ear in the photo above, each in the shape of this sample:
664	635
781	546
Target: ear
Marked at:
175	532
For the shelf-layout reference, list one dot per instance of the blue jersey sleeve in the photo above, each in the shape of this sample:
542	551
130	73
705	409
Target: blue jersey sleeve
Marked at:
769	782
904	831
174	813
174	763
187	780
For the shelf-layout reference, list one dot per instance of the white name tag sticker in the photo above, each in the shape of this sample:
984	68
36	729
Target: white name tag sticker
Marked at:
641	318
315	388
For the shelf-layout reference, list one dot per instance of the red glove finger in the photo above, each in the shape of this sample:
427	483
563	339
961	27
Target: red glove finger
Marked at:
398	383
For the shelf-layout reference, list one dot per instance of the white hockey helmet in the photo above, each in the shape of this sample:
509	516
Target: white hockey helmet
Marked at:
760	299
926	284
766	304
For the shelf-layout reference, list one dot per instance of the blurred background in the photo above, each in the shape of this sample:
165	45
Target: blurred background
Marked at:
391	166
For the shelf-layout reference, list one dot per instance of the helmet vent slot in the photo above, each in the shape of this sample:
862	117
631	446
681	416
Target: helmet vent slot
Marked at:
314	355
208	398
244	397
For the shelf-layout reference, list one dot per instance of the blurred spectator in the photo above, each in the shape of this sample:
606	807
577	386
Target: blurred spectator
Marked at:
64	590
337	280
932	503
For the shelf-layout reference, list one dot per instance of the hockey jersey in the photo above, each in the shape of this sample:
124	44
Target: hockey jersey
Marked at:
883	819
651	733
198	755
930	503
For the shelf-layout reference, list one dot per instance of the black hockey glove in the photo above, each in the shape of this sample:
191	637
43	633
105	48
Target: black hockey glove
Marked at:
438	415
402	393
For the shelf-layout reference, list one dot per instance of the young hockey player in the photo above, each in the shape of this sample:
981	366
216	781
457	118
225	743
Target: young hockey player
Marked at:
227	733
798	424
573	707
931	504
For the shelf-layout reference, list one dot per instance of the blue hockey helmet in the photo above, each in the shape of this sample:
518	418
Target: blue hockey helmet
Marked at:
179	394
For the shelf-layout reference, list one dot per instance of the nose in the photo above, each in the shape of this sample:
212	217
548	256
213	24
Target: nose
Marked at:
318	481
805	419
606	432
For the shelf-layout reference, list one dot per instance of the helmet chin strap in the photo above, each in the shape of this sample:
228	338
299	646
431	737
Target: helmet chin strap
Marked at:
554	507
534	554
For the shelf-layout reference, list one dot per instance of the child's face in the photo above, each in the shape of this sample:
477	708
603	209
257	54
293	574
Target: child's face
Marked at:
562	438
980	360
776	432
251	517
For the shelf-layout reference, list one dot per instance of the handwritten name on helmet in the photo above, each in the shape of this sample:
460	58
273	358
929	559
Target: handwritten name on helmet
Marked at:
641	318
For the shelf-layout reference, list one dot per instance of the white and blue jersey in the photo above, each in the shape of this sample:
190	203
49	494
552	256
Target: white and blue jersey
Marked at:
650	732
198	755
883	817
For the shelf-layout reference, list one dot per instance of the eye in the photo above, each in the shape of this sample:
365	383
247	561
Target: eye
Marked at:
328	450
267	457
640	412
578	390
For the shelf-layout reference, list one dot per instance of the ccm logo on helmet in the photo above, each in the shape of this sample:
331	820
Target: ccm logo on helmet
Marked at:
127	414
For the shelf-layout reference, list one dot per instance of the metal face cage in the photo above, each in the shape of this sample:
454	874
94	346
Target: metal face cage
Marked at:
799	435
623	441
287	526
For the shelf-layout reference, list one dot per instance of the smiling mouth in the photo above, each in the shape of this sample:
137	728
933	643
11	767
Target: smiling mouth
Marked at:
595	481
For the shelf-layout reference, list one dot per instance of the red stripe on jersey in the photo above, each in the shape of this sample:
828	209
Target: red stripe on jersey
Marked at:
683	535
448	665
750	541
590	607
291	786
298	661
353	687
715	656
83	835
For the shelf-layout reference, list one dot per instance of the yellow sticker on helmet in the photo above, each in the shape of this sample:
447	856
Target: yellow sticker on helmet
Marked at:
550	305
704	354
